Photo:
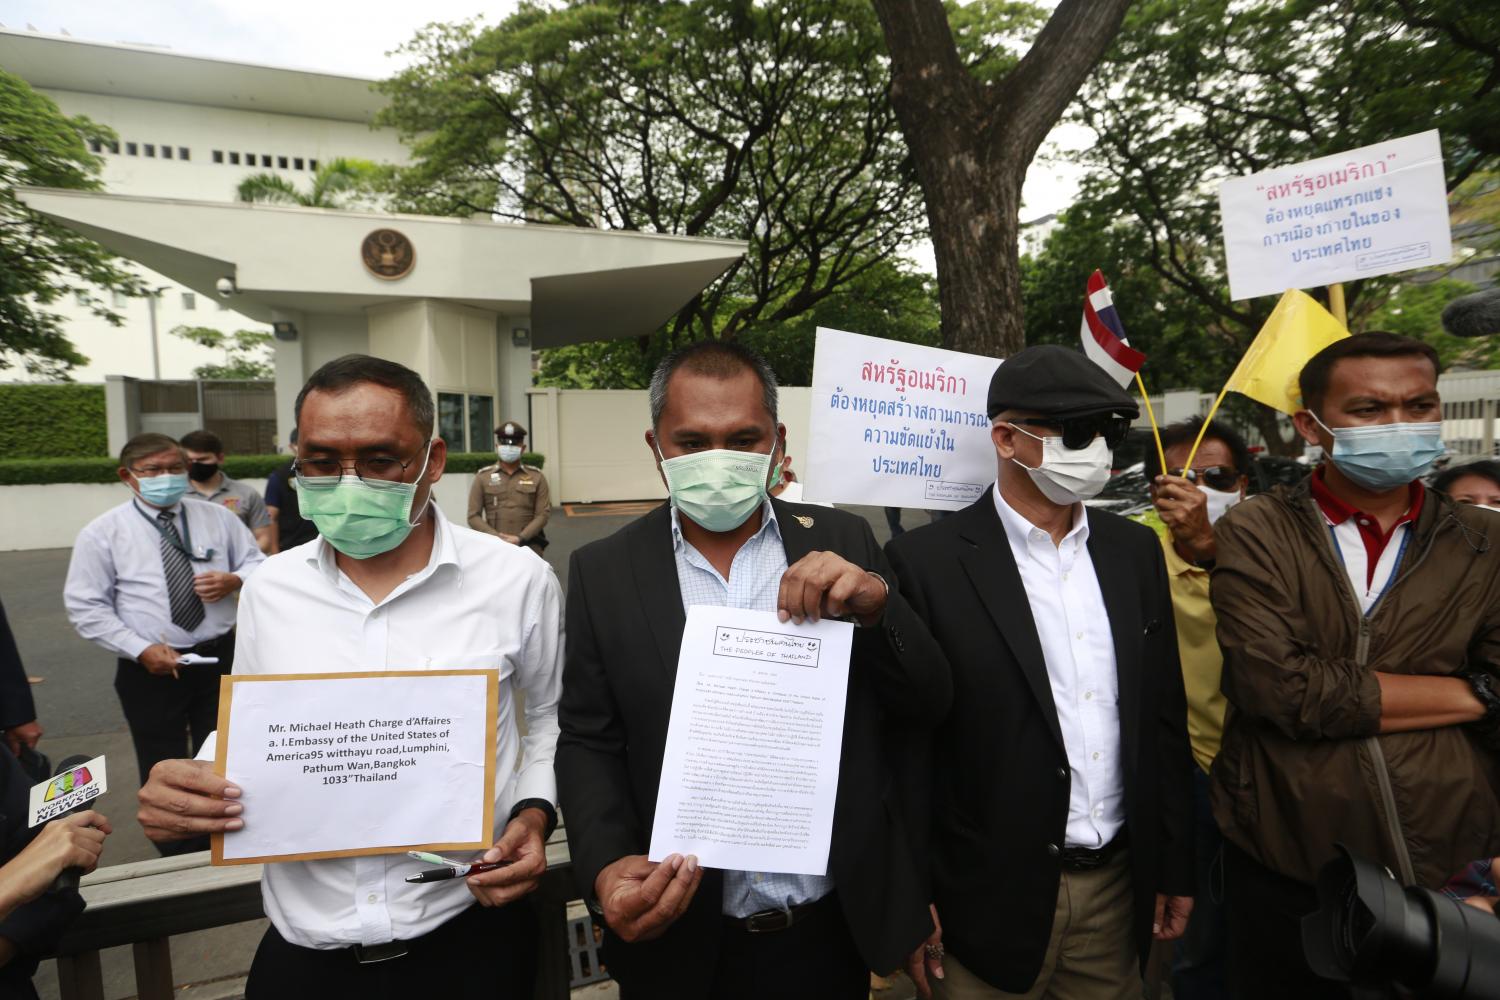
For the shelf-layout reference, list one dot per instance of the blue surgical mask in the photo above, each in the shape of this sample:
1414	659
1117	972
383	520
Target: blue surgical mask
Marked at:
1383	457
163	490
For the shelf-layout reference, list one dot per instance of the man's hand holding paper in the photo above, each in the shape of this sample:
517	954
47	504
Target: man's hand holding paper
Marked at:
826	585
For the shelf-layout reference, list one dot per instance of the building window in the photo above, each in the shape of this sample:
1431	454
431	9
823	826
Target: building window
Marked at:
451	419
150	149
95	146
281	162
481	419
114	146
297	163
234	159
218	156
312	165
249	159
265	159
166	152
182	153
130	149
189	302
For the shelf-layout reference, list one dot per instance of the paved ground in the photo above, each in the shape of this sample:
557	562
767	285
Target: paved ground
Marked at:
78	708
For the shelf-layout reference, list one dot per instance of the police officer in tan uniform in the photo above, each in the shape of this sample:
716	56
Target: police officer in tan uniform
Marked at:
510	499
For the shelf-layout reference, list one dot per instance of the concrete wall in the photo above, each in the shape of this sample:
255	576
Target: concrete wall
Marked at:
595	445
50	516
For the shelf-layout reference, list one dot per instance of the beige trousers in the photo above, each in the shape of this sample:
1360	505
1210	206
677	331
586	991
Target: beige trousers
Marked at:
1091	954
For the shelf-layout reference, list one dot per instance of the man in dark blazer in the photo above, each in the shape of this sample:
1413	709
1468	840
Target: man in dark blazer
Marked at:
673	929
1060	833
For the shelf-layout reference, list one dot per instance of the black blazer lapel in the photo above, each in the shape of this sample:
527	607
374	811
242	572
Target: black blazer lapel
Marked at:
1122	602
656	585
991	567
800	533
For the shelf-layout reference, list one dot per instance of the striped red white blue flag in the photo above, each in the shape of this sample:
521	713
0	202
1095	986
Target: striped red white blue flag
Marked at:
1104	335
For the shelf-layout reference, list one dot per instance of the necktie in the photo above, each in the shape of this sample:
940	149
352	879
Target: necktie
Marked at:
187	607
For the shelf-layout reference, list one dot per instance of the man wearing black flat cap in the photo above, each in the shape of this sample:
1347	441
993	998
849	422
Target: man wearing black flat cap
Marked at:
1059	841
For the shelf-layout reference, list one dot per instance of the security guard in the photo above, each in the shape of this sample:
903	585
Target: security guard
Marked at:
510	499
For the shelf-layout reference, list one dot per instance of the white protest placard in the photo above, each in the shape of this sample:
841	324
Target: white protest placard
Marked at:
62	793
1373	210
751	766
342	765
897	425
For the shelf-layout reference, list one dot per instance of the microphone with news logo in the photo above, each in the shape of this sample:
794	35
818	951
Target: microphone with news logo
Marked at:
74	774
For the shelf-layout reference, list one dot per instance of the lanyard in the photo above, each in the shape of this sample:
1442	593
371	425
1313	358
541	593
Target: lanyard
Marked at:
186	545
1395	567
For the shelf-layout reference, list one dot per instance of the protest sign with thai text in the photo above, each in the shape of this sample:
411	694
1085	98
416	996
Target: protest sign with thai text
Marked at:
897	425
1374	210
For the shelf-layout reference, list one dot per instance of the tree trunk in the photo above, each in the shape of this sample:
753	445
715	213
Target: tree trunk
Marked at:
1267	421
972	144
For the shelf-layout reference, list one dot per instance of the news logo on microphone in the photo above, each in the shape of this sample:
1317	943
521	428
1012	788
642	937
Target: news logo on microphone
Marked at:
78	782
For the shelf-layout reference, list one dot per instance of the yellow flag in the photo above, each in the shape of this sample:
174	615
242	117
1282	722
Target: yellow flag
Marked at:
1297	329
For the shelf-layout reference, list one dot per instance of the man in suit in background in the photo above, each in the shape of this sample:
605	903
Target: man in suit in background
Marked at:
674	930
1060	836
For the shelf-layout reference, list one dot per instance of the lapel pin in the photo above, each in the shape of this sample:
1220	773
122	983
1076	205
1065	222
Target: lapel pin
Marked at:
804	520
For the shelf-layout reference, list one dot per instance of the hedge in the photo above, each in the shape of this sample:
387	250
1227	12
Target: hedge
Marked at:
52	420
35	471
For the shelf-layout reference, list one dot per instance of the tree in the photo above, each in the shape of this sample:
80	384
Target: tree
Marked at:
972	136
247	353
767	122
892	300
334	184
1195	91
41	261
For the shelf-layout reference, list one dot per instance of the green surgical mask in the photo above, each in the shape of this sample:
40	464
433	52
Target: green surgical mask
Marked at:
360	519
717	489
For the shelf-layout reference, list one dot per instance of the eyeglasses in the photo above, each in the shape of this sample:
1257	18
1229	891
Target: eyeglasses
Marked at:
1219	477
370	469
1077	432
148	471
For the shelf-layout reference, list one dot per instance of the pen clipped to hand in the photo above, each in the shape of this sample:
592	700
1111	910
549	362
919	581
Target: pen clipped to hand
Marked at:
450	869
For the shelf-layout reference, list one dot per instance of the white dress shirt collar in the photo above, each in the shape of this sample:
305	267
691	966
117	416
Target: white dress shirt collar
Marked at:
1021	533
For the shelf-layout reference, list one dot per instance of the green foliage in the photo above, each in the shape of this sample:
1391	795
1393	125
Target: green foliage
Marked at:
247	353
890	300
41	261
1195	91
31	471
44	421
1416	309
334	185
766	122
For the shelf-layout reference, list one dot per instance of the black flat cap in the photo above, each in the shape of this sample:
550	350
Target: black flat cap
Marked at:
1058	382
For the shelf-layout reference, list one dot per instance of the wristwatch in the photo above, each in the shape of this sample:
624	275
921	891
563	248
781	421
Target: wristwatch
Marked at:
1485	690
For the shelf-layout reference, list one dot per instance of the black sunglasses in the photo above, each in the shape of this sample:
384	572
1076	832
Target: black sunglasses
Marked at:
1219	477
1077	432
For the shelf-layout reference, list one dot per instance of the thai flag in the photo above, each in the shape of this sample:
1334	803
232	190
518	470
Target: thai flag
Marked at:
1104	336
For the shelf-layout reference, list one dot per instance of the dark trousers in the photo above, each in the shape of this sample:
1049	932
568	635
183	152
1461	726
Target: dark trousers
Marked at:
481	954
1265	934
170	717
814	959
1198	966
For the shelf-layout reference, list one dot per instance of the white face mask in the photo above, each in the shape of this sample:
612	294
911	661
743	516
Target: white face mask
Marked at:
509	452
1219	501
1068	475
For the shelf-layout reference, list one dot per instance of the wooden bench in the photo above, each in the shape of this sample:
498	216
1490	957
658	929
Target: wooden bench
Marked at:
144	903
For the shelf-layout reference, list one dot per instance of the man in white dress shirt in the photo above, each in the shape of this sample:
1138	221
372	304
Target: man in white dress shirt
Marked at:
1059	841
391	584
150	581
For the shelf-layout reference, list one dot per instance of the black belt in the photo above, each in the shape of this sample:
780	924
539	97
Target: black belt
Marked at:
770	921
1087	859
209	647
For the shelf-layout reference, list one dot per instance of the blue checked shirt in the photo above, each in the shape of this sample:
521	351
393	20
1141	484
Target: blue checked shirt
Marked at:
754	579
